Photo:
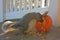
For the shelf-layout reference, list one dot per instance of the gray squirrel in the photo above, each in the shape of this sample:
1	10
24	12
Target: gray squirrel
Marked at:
23	23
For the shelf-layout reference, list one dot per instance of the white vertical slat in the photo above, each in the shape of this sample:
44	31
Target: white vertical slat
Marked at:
24	4
7	6
48	2
11	5
35	3
20	4
27	4
15	6
30	4
42	3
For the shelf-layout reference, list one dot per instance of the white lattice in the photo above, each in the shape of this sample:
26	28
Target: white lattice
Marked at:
18	8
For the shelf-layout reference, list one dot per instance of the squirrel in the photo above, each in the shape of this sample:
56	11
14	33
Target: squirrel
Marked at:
23	24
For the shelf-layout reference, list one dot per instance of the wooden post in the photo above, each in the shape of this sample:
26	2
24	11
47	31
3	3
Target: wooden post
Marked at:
58	15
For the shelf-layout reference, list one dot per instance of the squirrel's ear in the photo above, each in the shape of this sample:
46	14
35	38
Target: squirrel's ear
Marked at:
45	13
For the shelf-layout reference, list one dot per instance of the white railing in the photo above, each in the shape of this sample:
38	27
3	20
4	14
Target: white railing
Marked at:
18	8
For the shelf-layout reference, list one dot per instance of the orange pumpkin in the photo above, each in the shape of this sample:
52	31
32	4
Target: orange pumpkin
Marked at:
44	26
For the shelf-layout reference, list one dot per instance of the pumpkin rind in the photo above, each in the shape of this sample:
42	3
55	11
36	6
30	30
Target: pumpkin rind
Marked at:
45	26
